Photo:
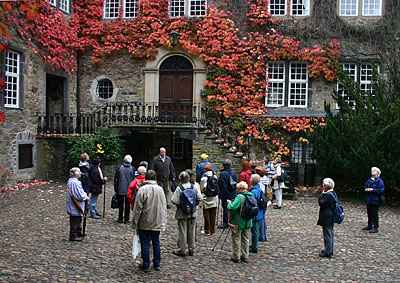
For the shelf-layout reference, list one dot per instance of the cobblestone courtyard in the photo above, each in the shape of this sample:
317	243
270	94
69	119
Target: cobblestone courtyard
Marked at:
35	248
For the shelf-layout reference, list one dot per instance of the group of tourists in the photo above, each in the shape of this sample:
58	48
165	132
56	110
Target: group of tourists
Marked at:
244	201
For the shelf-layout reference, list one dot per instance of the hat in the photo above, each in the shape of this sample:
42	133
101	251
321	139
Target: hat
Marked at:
204	156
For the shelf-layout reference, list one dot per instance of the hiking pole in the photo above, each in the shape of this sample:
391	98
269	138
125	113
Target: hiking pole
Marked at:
220	235
218	210
104	201
226	236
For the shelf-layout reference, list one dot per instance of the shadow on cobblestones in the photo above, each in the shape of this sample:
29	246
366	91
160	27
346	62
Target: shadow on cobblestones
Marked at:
35	248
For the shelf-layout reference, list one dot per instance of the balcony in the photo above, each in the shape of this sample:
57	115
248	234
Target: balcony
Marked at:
124	114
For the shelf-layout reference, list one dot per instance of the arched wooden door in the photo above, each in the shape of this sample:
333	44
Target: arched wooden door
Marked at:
176	89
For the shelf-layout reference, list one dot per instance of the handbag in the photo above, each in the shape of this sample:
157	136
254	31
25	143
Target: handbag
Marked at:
114	202
268	192
136	249
232	184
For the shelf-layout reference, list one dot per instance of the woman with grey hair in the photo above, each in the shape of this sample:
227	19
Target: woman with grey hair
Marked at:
326	202
374	189
278	186
75	203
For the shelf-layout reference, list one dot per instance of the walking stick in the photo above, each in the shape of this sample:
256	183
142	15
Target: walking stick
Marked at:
104	201
226	236
220	235
218	210
85	217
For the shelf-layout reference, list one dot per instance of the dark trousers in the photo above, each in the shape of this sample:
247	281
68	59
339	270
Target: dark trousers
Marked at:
209	220
224	203
123	206
373	216
328	239
147	236
75	226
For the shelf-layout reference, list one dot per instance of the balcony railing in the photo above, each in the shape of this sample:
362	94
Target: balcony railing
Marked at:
124	114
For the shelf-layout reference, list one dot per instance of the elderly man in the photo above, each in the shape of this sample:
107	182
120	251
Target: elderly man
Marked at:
149	218
76	198
186	221
124	175
200	167
165	171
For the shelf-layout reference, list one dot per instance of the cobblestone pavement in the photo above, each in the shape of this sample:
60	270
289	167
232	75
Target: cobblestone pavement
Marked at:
34	246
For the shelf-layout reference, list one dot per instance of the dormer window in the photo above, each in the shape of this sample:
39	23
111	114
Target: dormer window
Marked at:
189	8
296	7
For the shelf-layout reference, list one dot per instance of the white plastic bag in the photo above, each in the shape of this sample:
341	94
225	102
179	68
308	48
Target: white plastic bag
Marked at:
136	246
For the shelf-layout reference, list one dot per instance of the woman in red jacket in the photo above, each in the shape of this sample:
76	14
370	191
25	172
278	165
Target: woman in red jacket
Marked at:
246	173
134	185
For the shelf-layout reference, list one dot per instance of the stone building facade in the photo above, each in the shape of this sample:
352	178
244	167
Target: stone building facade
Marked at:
138	83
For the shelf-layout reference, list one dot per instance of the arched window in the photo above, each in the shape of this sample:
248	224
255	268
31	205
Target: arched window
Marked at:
104	89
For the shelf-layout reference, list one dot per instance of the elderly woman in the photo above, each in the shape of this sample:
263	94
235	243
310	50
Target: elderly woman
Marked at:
264	183
240	238
134	185
255	230
374	189
75	201
326	203
246	173
209	202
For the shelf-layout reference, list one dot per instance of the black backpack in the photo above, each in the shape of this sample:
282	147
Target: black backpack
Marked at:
232	184
263	202
212	188
250	208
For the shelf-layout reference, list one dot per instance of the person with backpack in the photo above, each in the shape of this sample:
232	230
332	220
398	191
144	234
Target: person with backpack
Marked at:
97	180
227	182
374	190
246	173
200	170
84	166
210	189
279	183
326	201
187	198
264	183
257	194
240	226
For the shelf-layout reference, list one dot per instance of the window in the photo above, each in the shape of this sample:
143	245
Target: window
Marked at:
297	7
12	79
276	76
302	152
191	8
130	8
104	89
111	9
25	156
296	84
63	5
366	78
368	7
351	69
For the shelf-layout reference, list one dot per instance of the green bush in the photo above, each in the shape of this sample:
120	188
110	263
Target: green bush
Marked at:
106	145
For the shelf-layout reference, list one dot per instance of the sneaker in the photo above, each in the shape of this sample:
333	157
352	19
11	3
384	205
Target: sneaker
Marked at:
367	228
178	253
277	207
94	216
98	214
157	267
76	239
374	230
143	268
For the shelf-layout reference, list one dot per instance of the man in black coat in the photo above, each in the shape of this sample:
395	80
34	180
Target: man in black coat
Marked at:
124	175
165	171
226	190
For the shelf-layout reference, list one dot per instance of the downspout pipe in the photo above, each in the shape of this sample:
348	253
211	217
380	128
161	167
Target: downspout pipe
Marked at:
78	92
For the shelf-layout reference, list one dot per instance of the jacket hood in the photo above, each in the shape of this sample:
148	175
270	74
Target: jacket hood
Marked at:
84	163
148	182
257	187
126	164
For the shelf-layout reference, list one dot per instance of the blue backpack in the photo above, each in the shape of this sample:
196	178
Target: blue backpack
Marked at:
250	208
188	200
338	213
283	176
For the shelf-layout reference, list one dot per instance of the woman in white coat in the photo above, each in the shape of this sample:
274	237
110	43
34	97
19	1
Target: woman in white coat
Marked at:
278	186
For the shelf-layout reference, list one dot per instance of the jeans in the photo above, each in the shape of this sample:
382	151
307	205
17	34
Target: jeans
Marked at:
263	228
145	237
93	203
255	232
328	239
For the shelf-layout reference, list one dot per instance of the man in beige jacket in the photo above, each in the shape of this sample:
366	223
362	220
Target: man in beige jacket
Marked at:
149	218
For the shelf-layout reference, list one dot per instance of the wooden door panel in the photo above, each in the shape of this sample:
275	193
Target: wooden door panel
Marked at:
167	89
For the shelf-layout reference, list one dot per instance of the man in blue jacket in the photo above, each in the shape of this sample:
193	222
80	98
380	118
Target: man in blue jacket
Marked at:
374	188
200	167
227	189
255	230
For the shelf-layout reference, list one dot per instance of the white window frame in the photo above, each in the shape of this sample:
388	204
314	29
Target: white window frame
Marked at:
187	8
366	84
296	81
271	88
307	9
379	13
201	10
352	70
64	5
135	4
107	6
343	2
11	75
52	2
277	15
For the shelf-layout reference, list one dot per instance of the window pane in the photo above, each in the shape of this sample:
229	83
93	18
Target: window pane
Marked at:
52	2
104	89
130	8
351	70
300	7
372	7
176	8
12	79
111	9
309	149
277	7
366	78
297	152
276	80
197	8
298	83
348	7
64	5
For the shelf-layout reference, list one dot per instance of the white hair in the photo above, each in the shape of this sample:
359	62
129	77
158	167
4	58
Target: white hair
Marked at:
128	158
377	170
329	183
74	171
255	179
141	170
